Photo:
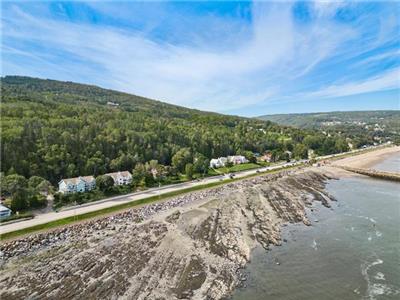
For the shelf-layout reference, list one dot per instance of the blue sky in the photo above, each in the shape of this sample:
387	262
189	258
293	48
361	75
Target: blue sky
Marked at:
245	58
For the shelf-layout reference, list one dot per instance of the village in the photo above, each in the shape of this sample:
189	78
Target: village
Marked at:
90	188
84	189
88	183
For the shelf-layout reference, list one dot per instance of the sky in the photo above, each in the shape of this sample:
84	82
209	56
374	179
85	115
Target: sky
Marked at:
242	58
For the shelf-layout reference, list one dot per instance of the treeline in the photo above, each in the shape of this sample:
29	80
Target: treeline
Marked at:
59	130
25	194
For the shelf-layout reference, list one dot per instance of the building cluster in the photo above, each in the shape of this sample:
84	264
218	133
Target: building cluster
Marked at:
88	183
222	161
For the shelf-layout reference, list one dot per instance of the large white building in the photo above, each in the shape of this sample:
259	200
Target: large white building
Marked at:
77	184
218	162
221	161
121	178
237	159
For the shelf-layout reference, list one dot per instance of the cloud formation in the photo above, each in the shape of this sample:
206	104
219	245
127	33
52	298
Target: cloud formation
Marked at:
282	50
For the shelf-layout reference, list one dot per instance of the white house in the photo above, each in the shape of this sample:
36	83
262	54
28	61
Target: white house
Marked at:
218	162
77	184
121	178
110	103
214	163
237	159
4	212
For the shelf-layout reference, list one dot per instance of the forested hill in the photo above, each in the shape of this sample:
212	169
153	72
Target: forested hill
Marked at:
389	118
59	129
362	127
40	90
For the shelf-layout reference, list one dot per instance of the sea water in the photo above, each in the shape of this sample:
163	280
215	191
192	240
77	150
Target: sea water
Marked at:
351	251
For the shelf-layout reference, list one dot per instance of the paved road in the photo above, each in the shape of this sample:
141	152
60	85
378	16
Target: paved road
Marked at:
113	201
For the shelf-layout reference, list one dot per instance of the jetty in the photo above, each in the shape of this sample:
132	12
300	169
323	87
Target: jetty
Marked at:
393	176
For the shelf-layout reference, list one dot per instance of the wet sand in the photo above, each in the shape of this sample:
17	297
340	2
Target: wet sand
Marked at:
369	159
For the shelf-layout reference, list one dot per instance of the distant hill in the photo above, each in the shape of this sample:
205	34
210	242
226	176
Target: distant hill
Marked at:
326	119
379	125
57	129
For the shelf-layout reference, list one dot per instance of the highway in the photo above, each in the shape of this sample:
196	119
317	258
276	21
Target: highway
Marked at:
117	200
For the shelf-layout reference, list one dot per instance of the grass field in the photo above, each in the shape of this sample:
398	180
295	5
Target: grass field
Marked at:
237	168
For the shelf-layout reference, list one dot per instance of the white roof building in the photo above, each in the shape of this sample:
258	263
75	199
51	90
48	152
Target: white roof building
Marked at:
237	159
77	184
121	178
218	162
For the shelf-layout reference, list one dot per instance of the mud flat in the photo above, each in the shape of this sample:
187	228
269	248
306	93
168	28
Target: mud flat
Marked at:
189	247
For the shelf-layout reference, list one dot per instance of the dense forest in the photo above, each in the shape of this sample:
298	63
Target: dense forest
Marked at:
57	130
362	127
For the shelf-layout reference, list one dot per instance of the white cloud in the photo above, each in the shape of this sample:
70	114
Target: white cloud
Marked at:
324	8
386	81
269	61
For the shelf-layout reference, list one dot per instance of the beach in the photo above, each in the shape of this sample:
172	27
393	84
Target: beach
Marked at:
193	246
369	159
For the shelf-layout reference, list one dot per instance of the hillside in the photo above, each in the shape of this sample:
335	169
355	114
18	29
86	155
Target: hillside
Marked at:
366	126
59	129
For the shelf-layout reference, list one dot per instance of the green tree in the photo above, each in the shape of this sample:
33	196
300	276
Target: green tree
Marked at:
36	200
34	181
181	158
12	184
341	145
200	163
44	187
300	151
19	200
11	171
92	166
104	183
250	156
313	142
189	170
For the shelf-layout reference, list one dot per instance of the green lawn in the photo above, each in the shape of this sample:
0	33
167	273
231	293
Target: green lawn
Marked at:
237	168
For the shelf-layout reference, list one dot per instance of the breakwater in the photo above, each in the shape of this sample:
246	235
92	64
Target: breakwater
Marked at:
393	176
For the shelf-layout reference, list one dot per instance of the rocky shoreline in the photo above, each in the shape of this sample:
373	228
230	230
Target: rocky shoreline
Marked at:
189	247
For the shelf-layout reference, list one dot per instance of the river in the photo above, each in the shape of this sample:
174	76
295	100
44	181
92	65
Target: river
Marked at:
350	252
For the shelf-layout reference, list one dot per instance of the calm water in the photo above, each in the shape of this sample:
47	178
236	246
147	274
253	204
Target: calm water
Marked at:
392	164
352	251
